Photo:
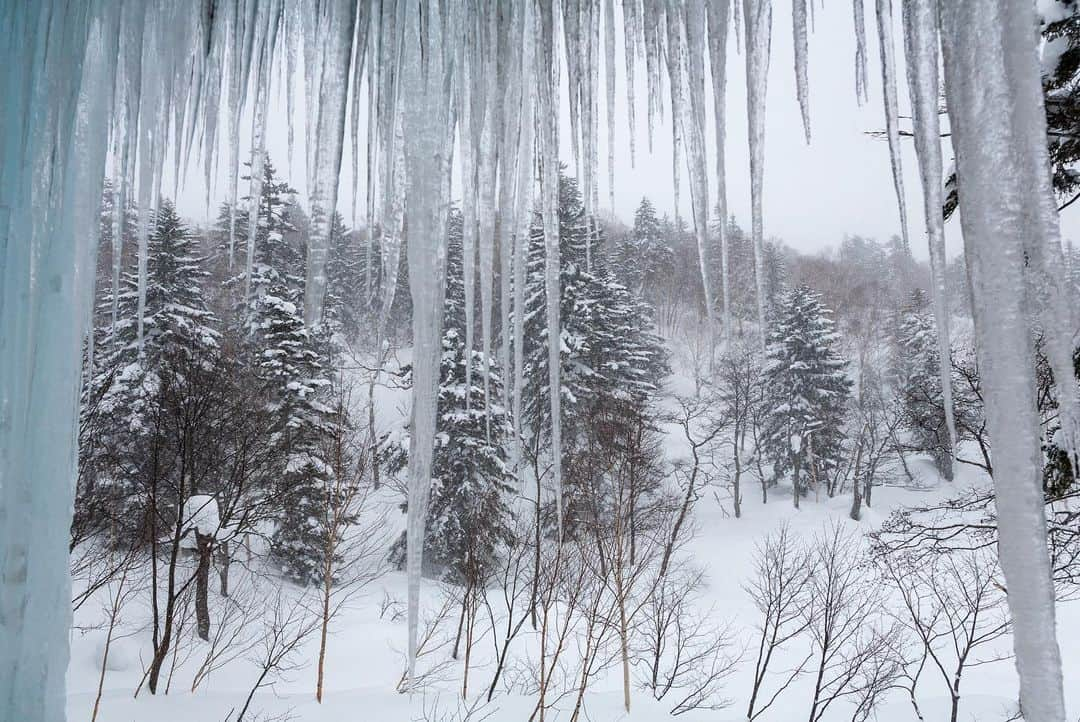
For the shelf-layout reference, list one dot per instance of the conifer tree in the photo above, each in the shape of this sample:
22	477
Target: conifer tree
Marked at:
918	380
806	391
468	517
178	330
610	357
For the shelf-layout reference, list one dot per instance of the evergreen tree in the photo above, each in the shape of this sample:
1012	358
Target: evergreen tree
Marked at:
610	356
806	391
918	380
468	516
345	297
126	381
290	365
644	261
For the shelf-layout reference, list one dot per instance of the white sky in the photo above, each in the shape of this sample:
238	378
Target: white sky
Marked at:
840	184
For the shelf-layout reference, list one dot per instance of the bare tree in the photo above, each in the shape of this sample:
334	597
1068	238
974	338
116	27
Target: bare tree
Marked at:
738	378
286	624
353	534
685	657
781	590
954	606
431	643
233	637
700	429
120	591
844	624
512	585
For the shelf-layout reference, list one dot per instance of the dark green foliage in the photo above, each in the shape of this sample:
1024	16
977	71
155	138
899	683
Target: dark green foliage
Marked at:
468	518
611	357
806	391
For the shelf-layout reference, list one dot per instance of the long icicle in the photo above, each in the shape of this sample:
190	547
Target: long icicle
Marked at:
549	190
719	18
427	116
757	16
523	215
802	83
892	113
489	133
691	16
994	91
631	32
861	76
921	49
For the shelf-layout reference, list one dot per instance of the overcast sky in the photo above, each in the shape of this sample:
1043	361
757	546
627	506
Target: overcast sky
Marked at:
814	194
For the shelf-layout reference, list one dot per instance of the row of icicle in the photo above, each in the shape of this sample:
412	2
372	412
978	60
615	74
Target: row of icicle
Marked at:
490	72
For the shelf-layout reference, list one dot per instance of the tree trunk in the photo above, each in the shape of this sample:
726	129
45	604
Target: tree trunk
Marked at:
205	544
223	567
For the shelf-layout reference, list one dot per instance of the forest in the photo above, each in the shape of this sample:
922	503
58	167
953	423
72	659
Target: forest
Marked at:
460	441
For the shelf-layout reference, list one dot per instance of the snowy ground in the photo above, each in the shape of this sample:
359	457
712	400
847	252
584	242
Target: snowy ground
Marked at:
365	657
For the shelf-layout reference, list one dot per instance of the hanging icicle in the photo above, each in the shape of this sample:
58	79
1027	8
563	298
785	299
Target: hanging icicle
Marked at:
690	19
861	77
428	127
892	112
802	83
631	32
1008	216
719	18
921	51
757	16
549	192
609	94
329	80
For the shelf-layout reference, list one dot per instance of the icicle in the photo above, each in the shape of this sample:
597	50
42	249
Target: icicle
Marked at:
861	92
330	77
757	16
798	24
736	15
511	45
719	16
921	46
469	131
693	18
363	18
549	191
523	216
258	139
372	155
573	41
994	91
631	32
651	28
153	125
486	193
892	113
675	51
117	252
427	116
609	87
292	36
57	63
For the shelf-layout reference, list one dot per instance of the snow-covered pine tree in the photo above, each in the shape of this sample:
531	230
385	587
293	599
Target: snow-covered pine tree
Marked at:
609	349
806	391
644	260
918	381
289	362
290	365
345	294
178	328
468	516
294	380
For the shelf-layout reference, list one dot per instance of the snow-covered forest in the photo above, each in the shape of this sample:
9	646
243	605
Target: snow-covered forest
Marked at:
411	422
